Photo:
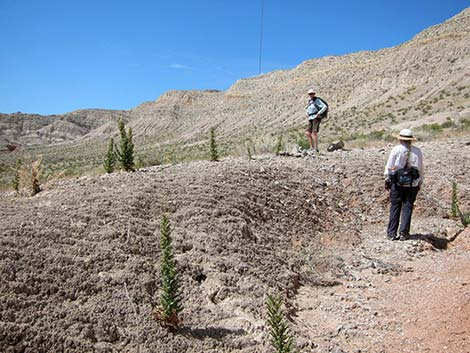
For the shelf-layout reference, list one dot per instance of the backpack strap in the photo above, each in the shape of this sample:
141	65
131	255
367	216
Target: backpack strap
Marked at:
408	153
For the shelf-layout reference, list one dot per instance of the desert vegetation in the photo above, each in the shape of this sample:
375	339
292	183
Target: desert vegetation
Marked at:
125	154
455	209
213	146
170	297
110	160
26	176
281	339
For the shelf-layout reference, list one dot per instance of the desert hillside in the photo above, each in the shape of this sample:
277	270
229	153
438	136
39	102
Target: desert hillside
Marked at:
425	78
423	84
80	262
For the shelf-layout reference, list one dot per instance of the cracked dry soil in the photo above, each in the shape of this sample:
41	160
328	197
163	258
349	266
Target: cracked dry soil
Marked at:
79	262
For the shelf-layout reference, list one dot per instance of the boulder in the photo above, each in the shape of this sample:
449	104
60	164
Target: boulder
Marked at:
335	146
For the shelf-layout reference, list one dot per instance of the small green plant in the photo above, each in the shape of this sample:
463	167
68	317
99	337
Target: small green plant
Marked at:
110	160
170	299
465	219
433	128
248	151
140	162
16	176
213	146
449	123
279	146
281	339
126	152
454	208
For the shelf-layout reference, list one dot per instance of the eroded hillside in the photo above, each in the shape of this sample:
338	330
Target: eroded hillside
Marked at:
426	77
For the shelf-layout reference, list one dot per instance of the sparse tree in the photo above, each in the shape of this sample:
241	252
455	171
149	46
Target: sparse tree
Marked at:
170	298
126	152
110	160
213	146
281	339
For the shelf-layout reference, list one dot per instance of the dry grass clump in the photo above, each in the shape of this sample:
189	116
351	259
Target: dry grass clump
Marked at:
27	177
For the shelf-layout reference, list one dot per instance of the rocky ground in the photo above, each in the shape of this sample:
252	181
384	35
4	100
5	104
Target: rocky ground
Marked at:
80	260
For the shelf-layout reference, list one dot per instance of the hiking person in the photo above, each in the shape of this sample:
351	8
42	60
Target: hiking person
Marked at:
317	109
403	178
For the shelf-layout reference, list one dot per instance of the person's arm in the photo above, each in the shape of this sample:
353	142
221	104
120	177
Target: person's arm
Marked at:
388	169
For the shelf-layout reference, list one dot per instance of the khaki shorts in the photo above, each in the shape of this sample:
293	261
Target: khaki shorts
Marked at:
313	125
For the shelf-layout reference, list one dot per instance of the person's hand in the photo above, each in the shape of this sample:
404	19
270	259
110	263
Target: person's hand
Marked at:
387	184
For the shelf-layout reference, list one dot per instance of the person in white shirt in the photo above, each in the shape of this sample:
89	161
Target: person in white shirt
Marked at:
316	110
404	174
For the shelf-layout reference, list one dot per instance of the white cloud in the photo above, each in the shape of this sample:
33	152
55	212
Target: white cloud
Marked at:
180	67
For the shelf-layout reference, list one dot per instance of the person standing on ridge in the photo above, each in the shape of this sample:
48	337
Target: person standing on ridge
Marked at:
317	109
404	174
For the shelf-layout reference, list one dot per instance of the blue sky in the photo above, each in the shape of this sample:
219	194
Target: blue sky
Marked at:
59	56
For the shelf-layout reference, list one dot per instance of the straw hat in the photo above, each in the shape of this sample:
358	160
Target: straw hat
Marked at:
311	91
406	135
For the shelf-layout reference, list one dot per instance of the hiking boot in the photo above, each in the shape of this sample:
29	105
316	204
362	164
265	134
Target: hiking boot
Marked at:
404	236
393	237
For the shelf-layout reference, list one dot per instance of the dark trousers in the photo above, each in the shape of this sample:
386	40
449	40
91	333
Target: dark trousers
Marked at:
401	202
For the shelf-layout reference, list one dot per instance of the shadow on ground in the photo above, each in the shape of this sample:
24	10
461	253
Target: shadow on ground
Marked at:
436	242
211	332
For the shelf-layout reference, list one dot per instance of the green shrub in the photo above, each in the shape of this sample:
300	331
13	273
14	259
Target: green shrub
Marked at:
110	160
448	124
465	123
248	151
434	128
126	152
279	146
465	218
140	162
170	298
281	339
454	207
213	146
16	176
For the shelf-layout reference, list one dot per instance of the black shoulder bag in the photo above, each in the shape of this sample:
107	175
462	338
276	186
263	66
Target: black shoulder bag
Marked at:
406	175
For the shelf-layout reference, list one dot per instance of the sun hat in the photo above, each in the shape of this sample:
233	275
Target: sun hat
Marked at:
311	91
406	135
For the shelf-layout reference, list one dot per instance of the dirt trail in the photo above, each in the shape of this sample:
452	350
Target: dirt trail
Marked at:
80	261
396	297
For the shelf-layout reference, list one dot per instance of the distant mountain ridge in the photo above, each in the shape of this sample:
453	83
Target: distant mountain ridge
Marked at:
423	80
31	129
